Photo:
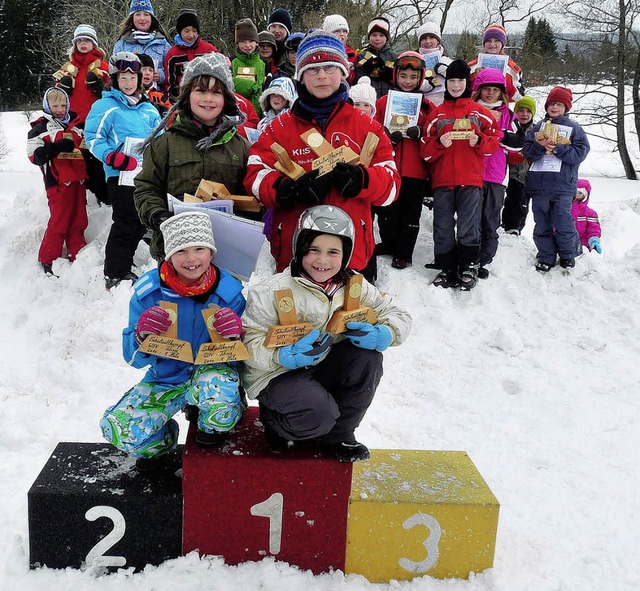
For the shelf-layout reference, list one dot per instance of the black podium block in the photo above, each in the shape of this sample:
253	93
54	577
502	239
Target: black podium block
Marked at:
89	506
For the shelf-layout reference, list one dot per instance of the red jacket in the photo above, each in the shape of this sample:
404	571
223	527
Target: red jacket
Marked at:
347	126
407	151
249	110
459	164
177	58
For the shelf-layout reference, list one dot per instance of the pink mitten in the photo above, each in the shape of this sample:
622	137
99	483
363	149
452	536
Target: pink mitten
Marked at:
155	320
227	323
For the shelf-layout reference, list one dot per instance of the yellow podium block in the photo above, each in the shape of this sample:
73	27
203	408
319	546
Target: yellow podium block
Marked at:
414	513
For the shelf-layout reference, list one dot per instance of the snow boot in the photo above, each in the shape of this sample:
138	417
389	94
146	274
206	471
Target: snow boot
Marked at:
567	263
468	278
348	452
446	279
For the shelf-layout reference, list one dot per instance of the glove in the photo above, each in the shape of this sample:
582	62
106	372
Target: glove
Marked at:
64	145
414	132
157	217
121	161
594	244
368	336
227	323
155	320
395	137
374	63
94	84
66	83
307	351
308	190
349	179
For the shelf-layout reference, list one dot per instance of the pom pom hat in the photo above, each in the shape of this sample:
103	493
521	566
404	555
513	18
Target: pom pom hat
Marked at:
379	24
335	22
495	32
191	228
141	6
320	49
525	102
85	32
429	28
210	64
363	92
560	94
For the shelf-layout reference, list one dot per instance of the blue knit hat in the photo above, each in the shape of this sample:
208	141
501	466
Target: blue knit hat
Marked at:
280	16
320	48
141	6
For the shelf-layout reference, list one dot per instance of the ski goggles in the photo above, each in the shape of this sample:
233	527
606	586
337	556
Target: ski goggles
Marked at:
128	65
411	62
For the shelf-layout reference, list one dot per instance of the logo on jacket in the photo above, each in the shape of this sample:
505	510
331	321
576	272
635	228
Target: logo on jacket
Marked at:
339	138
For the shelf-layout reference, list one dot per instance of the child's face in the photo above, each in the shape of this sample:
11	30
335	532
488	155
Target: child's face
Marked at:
324	258
366	107
492	46
277	102
323	81
456	86
84	45
207	105
377	40
128	82
58	108
265	50
142	20
191	263
580	196
429	42
490	94
556	109
247	46
408	80
279	32
342	34
524	115
291	57
189	34
147	75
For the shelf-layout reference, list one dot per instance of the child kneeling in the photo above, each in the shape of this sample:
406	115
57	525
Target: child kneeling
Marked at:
318	390
140	423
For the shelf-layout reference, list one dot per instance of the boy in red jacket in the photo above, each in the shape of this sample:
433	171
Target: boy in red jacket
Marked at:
457	176
51	137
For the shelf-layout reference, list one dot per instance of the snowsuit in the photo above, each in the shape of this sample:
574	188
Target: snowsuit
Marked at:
64	182
177	58
329	399
377	65
140	423
173	164
157	48
248	88
552	191
586	219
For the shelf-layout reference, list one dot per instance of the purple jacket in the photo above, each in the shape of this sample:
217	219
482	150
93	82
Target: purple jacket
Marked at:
495	166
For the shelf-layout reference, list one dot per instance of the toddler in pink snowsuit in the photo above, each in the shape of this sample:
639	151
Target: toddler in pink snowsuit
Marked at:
586	219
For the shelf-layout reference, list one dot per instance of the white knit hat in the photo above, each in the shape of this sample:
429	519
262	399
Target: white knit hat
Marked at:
191	228
335	22
85	32
281	86
363	92
429	28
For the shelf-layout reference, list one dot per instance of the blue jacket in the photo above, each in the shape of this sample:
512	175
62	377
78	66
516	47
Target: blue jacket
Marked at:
148	291
571	156
157	49
113	119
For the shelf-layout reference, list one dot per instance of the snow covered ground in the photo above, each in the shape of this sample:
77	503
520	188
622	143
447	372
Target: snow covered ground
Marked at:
535	376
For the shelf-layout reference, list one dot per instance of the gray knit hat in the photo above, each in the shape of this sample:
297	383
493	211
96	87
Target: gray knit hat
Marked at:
210	64
191	228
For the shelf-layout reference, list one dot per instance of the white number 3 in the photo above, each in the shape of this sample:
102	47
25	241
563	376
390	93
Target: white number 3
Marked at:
431	543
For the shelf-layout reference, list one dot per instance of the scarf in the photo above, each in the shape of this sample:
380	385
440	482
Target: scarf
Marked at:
321	109
132	99
330	286
223	125
143	37
489	106
170	277
180	41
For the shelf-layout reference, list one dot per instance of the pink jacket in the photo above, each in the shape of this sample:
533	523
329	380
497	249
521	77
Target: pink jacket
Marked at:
586	219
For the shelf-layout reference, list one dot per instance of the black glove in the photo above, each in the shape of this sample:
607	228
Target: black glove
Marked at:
374	63
349	179
395	137
414	132
64	145
157	217
94	84
66	83
307	190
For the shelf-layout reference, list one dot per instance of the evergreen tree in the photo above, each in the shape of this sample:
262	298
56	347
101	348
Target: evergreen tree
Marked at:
467	46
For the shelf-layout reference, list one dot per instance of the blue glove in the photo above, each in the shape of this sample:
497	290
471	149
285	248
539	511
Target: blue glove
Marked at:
594	244
368	336
309	350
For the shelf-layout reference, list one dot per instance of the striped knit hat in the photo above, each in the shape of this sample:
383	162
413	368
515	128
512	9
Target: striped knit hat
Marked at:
495	32
85	32
320	48
191	228
379	24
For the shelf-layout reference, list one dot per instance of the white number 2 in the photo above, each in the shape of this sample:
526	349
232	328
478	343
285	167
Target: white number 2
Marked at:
271	508
96	555
431	543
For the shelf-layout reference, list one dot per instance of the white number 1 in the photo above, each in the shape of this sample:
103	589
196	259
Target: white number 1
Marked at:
431	543
272	508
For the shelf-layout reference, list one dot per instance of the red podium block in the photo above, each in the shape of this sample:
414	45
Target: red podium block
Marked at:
245	502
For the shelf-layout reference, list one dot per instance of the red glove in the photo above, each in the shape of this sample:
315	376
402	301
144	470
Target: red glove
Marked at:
155	320
227	323
121	161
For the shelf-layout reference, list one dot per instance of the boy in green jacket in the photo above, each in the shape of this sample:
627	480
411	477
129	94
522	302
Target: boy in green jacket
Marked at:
248	68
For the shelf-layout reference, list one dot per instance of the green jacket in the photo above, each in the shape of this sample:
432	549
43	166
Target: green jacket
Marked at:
248	89
172	164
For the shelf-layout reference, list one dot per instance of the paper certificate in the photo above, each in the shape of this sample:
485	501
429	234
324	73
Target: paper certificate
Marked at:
550	162
493	61
431	60
132	147
403	109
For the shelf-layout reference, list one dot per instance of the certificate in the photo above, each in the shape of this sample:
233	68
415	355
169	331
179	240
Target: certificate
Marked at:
494	61
132	147
403	109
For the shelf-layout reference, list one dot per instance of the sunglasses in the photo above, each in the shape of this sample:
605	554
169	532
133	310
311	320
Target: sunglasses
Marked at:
128	66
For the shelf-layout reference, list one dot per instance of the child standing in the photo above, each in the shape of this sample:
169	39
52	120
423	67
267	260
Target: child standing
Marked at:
516	202
123	112
551	182
376	59
338	25
430	47
586	219
364	96
140	423
323	107
202	142
188	45
399	223
457	167
489	89
155	96
277	99
287	67
280	25
51	135
267	51
248	85
317	390
141	32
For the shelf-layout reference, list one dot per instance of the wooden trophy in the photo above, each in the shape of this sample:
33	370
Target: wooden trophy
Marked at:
211	190
67	69
284	164
328	156
462	130
168	344
351	310
289	330
219	350
75	155
246	73
369	148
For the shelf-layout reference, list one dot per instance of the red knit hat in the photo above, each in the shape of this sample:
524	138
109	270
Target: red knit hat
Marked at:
560	94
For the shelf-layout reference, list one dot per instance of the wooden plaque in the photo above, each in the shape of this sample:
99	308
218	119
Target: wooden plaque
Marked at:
219	350
369	148
167	344
75	155
462	130
327	162
289	330
284	164
351	310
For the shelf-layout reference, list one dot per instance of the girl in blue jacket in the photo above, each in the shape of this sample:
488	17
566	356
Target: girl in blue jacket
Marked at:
140	423
123	113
